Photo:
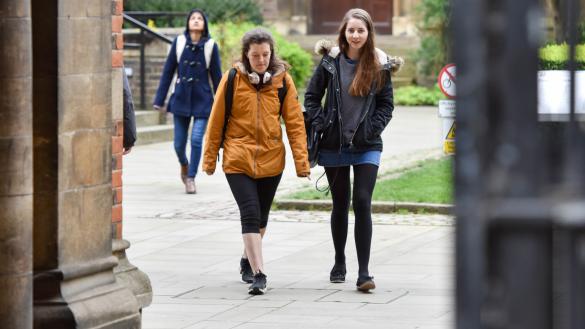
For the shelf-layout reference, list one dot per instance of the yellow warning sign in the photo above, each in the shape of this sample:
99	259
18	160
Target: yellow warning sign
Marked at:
449	146
449	142
451	133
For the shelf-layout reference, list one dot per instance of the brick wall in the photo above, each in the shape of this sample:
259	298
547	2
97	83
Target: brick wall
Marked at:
118	124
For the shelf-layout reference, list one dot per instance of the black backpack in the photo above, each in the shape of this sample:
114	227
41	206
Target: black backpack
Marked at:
229	97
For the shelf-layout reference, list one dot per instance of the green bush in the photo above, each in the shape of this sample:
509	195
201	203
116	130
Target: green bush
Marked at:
433	23
416	95
300	60
228	35
216	10
555	57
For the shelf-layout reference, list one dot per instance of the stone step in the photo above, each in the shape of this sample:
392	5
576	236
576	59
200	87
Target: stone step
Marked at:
154	134
147	118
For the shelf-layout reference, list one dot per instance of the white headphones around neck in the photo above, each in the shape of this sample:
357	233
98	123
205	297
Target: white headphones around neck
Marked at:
255	78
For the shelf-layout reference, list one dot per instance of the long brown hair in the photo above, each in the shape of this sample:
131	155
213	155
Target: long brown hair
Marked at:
368	69
259	36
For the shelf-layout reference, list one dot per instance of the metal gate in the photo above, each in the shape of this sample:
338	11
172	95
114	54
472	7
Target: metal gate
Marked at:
520	182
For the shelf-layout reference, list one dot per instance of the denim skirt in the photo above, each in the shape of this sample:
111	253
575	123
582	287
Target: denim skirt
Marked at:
347	158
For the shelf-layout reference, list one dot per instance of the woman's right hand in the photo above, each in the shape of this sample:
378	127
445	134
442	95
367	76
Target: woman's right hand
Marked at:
158	108
305	175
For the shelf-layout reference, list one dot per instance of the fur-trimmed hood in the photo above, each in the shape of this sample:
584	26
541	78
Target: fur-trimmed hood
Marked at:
327	47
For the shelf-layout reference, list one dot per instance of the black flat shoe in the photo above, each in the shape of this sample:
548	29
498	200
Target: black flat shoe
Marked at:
365	284
337	273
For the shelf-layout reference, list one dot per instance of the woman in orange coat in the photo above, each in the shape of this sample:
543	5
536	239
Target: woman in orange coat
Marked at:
253	151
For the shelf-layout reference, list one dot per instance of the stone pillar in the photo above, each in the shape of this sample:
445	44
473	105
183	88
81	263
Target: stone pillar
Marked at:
16	167
74	284
117	117
126	274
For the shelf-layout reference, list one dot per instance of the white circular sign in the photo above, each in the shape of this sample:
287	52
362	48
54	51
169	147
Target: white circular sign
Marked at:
447	80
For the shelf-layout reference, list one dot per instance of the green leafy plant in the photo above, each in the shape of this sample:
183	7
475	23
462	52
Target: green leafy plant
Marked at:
417	95
433	52
299	59
216	10
556	57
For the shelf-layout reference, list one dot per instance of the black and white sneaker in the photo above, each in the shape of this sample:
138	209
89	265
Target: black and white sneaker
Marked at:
258	287
246	271
337	274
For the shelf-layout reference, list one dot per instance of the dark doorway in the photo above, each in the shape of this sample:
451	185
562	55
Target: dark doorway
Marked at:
326	15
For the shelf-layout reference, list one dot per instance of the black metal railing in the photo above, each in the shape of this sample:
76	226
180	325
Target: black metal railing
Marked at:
144	31
171	18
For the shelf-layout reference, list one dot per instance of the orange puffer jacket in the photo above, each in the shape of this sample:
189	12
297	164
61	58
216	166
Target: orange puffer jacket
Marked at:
253	139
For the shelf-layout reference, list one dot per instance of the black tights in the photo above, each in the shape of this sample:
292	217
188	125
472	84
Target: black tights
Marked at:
254	198
364	180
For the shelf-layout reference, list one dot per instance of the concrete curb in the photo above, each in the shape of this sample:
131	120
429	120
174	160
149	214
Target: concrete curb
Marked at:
377	206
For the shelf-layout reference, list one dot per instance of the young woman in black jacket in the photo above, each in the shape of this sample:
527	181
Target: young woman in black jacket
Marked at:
355	78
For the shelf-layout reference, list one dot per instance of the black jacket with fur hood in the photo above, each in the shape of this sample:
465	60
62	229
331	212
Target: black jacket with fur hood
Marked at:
375	114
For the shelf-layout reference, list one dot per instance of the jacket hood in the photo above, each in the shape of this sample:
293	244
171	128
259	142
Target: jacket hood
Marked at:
327	47
205	34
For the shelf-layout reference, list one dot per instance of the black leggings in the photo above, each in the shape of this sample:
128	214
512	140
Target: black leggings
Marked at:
254	198
364	180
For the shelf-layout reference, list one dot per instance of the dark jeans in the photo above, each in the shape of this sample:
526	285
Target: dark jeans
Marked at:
364	180
254	198
181	134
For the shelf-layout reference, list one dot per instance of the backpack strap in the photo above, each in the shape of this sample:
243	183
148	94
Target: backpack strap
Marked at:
208	51
229	98
179	47
181	43
282	93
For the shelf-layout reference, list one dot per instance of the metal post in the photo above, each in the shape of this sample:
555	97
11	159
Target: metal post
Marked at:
142	70
470	56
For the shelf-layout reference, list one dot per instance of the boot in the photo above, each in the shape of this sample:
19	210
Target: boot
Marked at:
190	185
184	171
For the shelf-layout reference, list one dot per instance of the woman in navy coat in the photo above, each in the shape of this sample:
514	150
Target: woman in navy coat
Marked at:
194	60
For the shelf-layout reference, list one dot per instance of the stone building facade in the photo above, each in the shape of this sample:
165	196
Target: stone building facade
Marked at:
58	111
392	17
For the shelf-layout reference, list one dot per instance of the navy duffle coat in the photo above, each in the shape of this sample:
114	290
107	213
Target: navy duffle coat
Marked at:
193	95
